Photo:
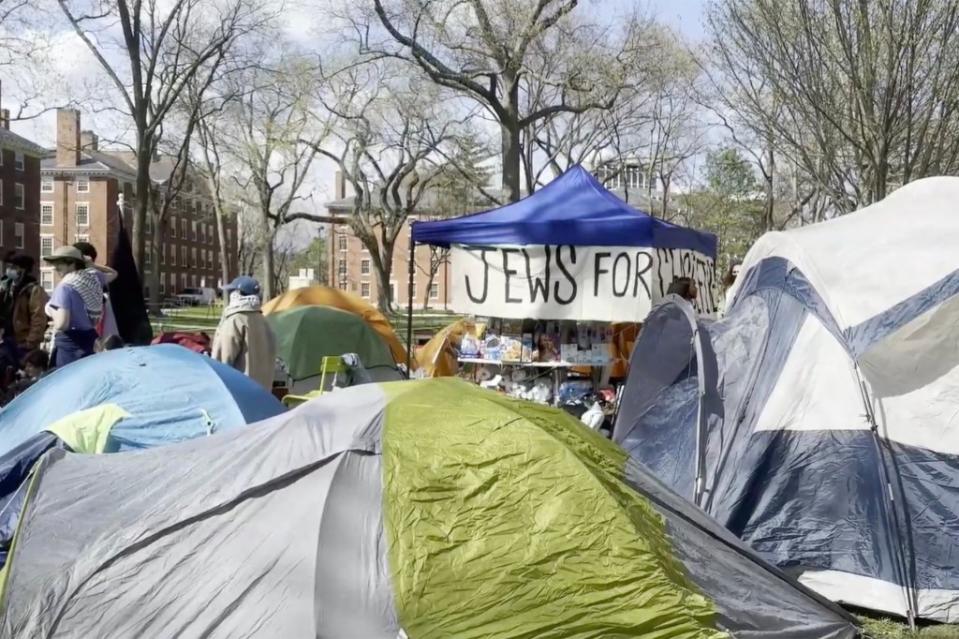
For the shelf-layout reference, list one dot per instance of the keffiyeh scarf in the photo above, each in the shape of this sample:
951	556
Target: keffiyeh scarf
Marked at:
90	289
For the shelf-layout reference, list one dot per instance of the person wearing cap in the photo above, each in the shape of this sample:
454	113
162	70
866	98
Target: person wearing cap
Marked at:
243	339
69	307
26	300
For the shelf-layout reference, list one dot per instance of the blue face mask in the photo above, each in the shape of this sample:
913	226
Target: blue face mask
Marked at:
13	273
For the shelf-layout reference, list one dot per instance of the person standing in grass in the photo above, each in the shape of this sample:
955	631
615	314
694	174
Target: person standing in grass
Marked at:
243	339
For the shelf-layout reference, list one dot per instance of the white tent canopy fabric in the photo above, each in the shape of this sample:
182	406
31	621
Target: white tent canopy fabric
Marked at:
823	425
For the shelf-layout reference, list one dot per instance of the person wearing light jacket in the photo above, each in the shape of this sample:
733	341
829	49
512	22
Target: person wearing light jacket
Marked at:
243	339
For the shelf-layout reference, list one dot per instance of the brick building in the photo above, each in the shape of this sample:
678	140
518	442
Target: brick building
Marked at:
79	190
19	191
351	268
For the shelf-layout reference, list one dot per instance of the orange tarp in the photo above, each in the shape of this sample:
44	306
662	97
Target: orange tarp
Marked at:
326	296
437	357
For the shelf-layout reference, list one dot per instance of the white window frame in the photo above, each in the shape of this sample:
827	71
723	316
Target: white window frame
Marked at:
343	242
183	282
46	236
19	235
148	254
173	257
173	228
393	291
1	190
83	184
184	257
19	161
45	273
76	213
162	286
19	192
81	237
369	290
365	266
47	182
193	262
53	213
435	286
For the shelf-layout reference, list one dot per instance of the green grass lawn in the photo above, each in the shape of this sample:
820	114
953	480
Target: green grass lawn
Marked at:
889	629
206	318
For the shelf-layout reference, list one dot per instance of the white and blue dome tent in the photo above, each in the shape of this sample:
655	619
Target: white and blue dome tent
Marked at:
819	420
570	251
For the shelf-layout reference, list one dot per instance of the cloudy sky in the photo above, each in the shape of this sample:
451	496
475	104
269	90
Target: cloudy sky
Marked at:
75	70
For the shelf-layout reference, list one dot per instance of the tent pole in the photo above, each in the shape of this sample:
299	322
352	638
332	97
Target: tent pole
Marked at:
889	510
409	306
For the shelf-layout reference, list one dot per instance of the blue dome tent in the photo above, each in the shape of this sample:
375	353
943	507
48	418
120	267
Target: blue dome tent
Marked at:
169	392
817	420
119	400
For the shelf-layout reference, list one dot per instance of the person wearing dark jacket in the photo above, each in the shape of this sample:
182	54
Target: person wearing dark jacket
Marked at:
26	300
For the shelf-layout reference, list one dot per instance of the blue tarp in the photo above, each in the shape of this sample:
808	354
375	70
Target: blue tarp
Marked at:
171	393
574	209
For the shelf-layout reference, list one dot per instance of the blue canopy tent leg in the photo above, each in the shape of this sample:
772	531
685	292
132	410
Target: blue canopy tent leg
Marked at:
409	306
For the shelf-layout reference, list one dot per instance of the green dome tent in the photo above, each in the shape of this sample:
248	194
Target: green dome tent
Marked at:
428	509
307	334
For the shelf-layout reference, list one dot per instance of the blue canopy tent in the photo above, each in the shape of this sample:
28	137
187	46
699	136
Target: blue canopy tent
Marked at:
575	209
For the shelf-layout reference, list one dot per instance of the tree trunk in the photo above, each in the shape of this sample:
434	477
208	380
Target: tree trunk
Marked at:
512	149
770	193
429	286
144	198
225	250
154	277
266	284
384	271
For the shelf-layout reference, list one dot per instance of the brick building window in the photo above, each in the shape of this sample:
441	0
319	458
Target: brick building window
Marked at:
193	258
46	213
434	291
148	257
364	267
162	255
162	286
46	185
81	237
172	256
193	230
342	242
183	257
183	229
173	227
19	163
19	199
46	243
1	186
83	214
342	285
46	280
83	185
365	290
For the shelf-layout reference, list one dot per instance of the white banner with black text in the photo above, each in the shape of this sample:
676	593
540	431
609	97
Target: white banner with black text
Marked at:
589	283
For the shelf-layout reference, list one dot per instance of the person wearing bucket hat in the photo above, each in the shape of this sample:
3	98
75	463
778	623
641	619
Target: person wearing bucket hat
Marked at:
74	327
243	339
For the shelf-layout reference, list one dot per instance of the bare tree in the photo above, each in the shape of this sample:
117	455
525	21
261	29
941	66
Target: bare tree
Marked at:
166	46
387	132
861	96
273	138
483	48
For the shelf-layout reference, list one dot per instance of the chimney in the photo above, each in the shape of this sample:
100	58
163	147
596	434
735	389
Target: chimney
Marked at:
340	185
68	137
5	118
89	141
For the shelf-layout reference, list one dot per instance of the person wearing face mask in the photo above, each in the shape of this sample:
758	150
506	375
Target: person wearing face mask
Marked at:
243	339
70	307
27	299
